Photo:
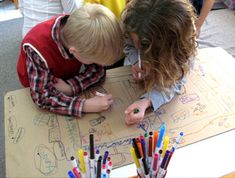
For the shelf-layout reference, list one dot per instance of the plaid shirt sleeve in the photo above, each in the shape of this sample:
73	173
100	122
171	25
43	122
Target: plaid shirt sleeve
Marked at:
91	75
42	89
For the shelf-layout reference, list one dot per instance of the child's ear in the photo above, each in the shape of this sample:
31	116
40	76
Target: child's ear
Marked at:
73	51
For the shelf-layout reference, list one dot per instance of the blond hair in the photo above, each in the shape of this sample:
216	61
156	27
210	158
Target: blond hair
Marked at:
95	33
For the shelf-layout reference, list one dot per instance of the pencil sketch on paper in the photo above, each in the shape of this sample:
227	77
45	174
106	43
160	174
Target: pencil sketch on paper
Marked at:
205	108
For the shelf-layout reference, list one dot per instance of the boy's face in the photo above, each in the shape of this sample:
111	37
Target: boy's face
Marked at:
83	60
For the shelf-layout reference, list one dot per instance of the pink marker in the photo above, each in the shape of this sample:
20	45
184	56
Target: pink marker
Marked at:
76	172
154	167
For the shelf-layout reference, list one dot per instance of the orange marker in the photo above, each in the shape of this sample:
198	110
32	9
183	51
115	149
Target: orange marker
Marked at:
155	138
139	147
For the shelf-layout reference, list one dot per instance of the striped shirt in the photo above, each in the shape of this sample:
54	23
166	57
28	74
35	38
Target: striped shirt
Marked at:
41	80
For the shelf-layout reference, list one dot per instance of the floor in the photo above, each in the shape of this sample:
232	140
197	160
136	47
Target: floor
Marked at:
8	11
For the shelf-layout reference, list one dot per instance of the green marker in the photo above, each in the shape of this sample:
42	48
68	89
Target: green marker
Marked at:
136	110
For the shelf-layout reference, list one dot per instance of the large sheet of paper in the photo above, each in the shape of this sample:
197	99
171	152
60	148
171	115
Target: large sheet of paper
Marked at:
39	143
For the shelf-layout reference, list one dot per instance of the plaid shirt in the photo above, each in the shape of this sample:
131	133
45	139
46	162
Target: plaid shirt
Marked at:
41	80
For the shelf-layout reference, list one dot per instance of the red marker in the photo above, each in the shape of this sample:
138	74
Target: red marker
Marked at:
76	173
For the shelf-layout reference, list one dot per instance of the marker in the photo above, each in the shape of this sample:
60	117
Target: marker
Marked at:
164	161
142	141
71	175
146	170
146	144
86	159
177	141
150	150
159	158
168	160
136	110
110	165
137	152
108	173
154	166
97	155
106	153
92	156
103	171
73	162
108	159
139	64
139	147
76	172
160	137
165	145
99	167
155	138
137	164
82	163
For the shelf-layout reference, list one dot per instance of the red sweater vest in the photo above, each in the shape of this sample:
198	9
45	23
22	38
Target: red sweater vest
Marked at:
40	39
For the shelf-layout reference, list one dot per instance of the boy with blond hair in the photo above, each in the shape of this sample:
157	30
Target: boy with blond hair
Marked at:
65	55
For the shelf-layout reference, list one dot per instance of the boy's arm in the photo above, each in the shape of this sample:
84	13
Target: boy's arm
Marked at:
159	98
91	75
42	89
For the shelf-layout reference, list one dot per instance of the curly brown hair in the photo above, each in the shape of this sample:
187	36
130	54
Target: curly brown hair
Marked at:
167	37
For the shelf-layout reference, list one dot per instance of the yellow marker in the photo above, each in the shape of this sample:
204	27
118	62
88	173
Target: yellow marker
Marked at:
165	145
132	150
81	160
137	163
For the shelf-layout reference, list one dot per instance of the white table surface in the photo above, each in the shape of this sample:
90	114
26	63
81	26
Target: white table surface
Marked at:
212	157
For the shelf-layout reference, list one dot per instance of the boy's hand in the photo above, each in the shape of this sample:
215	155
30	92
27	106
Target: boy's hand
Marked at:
136	111
136	70
98	103
63	87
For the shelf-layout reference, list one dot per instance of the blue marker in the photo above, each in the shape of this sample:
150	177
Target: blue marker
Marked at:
160	137
177	141
71	175
106	153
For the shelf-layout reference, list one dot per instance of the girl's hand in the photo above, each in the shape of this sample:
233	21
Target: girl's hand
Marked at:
136	111
63	87
98	103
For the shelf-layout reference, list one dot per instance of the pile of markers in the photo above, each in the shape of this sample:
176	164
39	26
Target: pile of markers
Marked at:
151	155
94	166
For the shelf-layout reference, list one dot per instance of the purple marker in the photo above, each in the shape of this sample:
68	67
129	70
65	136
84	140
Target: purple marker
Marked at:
105	157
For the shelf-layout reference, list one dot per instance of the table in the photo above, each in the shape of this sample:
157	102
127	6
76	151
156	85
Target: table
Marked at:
213	157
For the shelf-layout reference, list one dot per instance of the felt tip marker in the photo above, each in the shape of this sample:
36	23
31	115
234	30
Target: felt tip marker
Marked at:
160	137
92	156
71	175
139	64
177	141
73	162
76	172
